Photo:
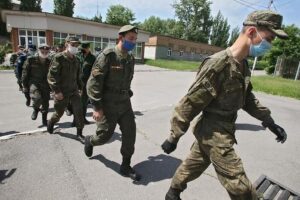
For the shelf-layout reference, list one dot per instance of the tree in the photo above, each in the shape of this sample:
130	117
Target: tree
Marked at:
219	31
234	35
196	19
174	28
97	19
5	4
154	25
119	15
31	5
290	48
64	7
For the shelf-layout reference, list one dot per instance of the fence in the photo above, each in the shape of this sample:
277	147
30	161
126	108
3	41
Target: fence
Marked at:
287	68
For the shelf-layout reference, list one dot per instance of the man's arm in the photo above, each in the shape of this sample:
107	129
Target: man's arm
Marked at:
96	81
25	75
54	75
262	113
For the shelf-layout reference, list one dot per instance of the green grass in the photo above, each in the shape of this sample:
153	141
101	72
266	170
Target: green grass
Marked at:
174	64
5	67
277	86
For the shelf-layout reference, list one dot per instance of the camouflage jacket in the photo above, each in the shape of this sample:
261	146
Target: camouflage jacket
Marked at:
64	74
221	88
86	64
35	72
111	78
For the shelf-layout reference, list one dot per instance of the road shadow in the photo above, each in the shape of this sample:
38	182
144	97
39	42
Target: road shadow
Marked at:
157	168
108	163
115	137
70	136
250	127
138	113
8	133
5	174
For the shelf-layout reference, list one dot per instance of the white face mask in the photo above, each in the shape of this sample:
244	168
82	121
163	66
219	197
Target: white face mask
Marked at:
72	50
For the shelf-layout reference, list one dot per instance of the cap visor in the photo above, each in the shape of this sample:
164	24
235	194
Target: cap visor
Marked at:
280	33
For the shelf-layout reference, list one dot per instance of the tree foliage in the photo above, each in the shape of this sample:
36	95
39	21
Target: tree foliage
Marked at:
119	15
234	35
97	18
290	48
219	31
31	5
195	17
5	4
64	7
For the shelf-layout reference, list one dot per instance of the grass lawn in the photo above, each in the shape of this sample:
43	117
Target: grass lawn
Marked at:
276	86
174	64
5	67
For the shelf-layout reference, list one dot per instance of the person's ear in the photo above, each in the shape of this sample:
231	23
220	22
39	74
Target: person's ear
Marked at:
251	32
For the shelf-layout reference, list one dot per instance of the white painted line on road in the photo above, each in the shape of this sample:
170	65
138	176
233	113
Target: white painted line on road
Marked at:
7	137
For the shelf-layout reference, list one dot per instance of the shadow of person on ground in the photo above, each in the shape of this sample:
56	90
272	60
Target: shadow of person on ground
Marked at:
108	163
157	168
138	113
70	136
8	133
5	174
250	127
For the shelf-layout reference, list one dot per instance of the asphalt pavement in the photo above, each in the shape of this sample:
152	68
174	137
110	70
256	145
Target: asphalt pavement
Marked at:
37	165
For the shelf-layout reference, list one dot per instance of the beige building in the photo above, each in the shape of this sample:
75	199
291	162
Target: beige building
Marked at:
165	47
39	27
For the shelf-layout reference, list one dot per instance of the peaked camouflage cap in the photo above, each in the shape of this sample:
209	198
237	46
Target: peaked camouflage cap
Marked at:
128	28
269	19
72	39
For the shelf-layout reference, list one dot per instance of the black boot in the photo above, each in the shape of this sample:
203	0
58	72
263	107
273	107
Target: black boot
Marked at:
79	133
34	114
50	126
44	118
88	146
173	194
127	171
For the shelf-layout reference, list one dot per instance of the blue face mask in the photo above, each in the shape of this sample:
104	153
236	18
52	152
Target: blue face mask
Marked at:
127	45
259	49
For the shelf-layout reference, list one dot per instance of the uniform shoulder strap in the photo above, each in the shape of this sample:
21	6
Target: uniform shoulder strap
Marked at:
108	51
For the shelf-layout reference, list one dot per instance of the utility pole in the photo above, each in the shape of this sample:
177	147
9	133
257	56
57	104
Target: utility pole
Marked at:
270	4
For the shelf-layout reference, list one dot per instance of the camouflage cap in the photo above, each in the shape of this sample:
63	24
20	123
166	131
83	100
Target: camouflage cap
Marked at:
21	47
44	47
128	28
267	18
72	39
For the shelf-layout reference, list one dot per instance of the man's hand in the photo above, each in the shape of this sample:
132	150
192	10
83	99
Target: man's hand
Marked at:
97	115
59	96
277	130
168	147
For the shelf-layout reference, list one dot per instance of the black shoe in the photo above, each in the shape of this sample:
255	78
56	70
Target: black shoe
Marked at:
88	147
79	133
86	121
127	171
173	194
44	118
50	126
27	102
34	114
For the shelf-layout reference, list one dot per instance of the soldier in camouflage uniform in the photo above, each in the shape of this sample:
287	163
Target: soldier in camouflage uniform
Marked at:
64	80
109	91
34	79
221	88
87	60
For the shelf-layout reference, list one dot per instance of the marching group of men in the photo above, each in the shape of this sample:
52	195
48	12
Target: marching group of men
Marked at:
222	87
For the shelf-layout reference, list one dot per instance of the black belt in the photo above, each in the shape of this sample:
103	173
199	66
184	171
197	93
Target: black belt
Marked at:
219	117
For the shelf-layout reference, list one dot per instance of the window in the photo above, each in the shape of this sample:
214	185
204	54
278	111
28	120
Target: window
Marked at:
27	37
137	51
169	52
181	53
60	37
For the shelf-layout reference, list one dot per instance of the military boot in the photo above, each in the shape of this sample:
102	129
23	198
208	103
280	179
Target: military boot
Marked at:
127	171
28	100
88	146
50	126
79	133
173	194
34	114
44	118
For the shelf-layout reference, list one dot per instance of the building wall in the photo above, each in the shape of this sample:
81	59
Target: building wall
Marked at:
150	52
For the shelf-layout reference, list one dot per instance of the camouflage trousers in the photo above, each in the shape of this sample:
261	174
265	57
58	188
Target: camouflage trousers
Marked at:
60	106
106	127
40	97
84	101
218	150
